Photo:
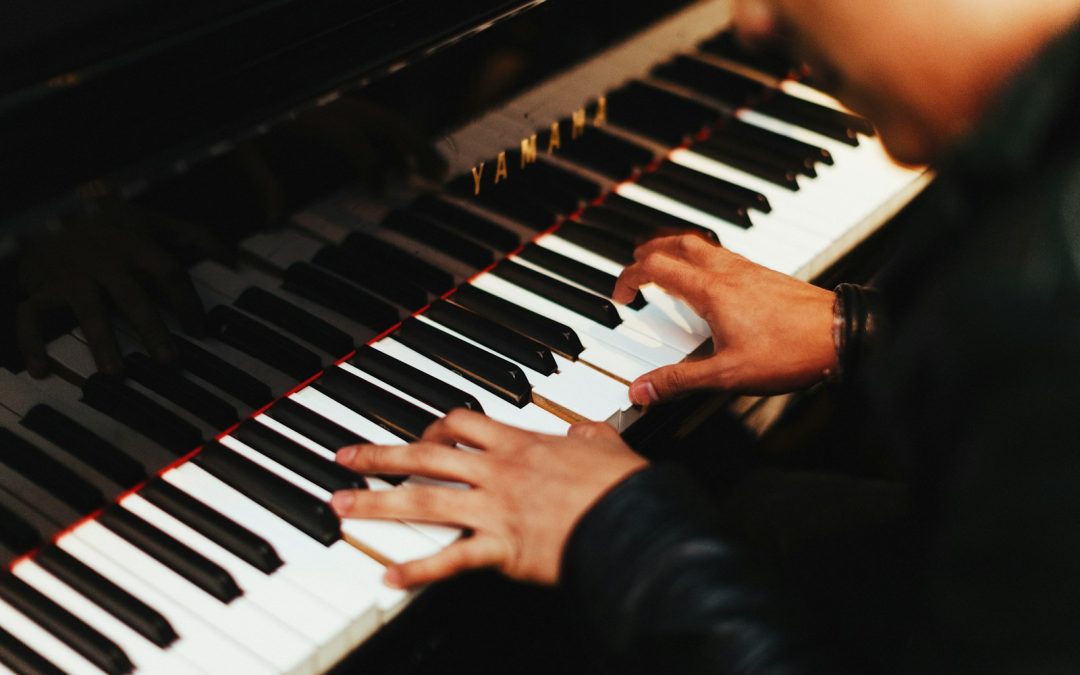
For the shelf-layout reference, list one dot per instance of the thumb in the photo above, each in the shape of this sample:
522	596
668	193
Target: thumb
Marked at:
670	381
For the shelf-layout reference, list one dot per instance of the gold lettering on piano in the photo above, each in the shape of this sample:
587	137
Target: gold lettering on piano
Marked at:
501	172
577	130
600	118
477	174
528	151
554	141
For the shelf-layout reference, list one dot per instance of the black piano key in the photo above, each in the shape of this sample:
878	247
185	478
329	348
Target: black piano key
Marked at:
173	387
87	446
607	154
233	537
595	280
627	228
223	375
46	512
21	659
719	188
665	222
775	62
818	118
326	474
519	205
67	627
287	316
261	343
762	154
175	555
394	287
52	476
396	415
16	534
558	337
548	178
687	194
339	295
634	229
414	382
467	222
432	233
602	242
784	178
312	425
139	616
499	376
825	113
770	139
601	310
300	509
658	114
384	257
718	83
137	412
493	335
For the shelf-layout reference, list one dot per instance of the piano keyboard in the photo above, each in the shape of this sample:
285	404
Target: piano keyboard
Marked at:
130	550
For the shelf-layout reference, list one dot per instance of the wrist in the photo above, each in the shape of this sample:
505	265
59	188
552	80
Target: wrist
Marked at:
855	328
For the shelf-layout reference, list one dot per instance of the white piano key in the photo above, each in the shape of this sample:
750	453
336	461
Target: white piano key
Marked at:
283	649
626	354
144	655
530	417
200	643
43	642
274	594
337	574
392	539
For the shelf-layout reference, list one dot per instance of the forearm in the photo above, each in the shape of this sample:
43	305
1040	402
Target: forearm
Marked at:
662	590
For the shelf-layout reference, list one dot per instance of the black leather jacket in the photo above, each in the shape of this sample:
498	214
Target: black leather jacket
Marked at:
976	391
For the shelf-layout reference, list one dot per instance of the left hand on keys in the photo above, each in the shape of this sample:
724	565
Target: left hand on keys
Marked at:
528	491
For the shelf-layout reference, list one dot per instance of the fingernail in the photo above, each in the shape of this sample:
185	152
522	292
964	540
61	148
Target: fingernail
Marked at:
392	578
346	455
643	393
343	502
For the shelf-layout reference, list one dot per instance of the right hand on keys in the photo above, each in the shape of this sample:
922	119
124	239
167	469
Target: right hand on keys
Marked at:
772	333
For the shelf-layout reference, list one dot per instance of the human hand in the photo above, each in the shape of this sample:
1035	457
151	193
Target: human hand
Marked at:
771	333
92	262
527	492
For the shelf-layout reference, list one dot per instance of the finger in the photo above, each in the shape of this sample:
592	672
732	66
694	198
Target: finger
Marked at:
474	430
690	248
135	304
674	276
423	503
28	334
433	460
592	430
670	381
93	319
467	554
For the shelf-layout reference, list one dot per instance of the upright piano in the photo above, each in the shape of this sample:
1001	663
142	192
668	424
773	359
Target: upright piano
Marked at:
388	210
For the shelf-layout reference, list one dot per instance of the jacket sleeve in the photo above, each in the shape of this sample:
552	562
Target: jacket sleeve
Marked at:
658	585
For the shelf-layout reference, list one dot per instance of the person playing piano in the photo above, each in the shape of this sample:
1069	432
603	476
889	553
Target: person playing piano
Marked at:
968	352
